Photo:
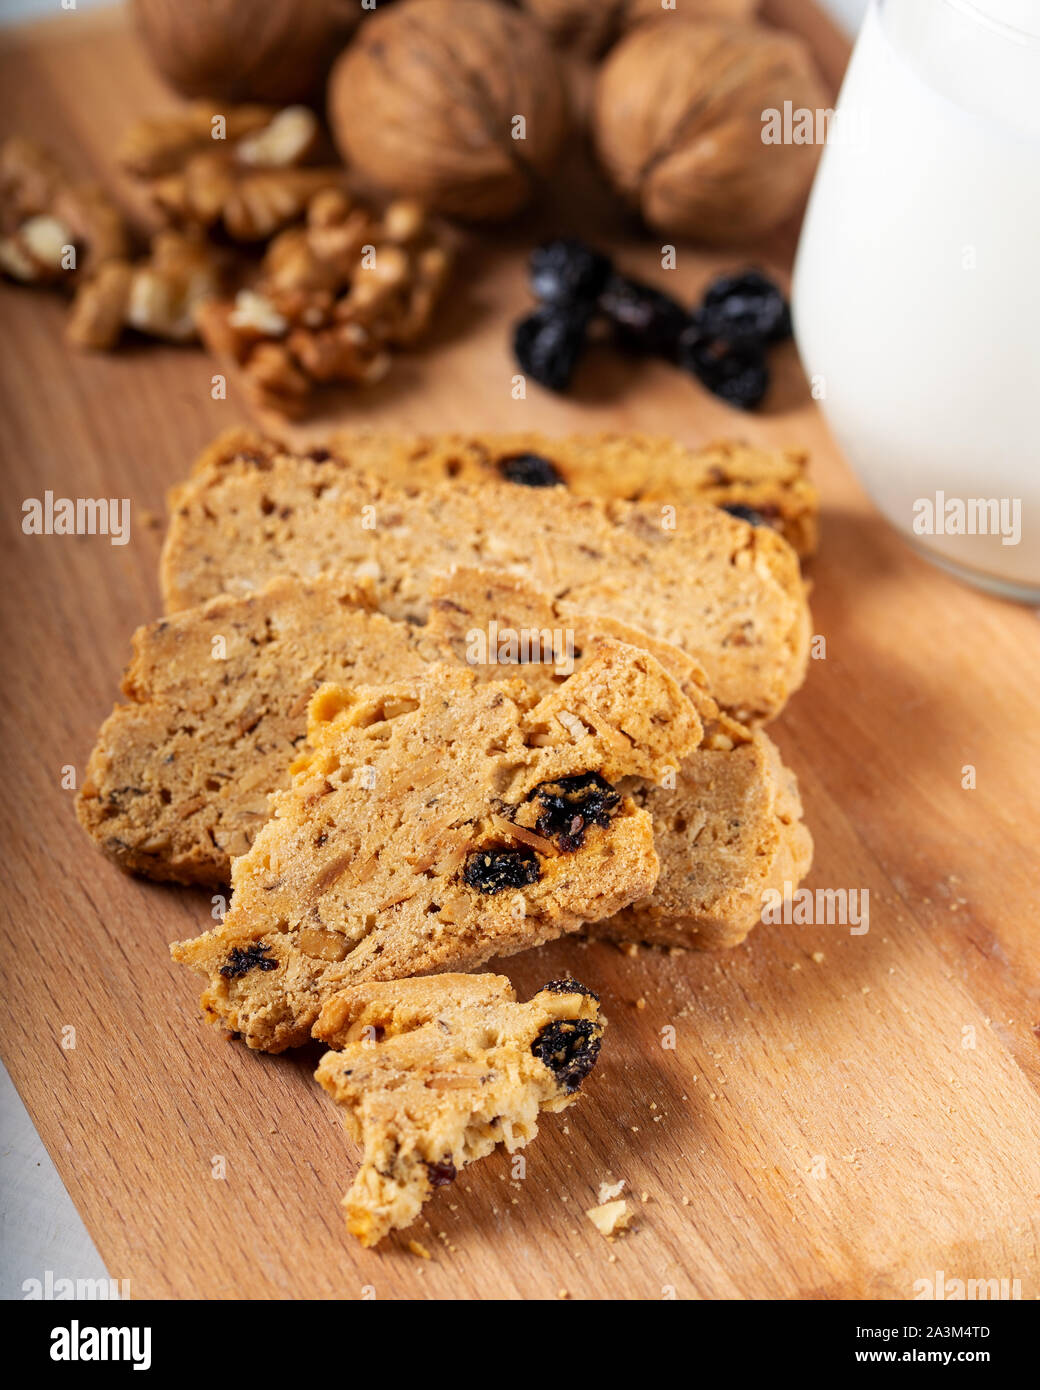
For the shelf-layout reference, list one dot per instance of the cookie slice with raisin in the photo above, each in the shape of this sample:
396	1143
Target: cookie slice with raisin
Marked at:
728	824
438	822
431	1074
772	484
725	592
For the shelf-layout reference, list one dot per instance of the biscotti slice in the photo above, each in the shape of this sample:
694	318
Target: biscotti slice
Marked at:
436	823
431	1074
178	781
728	593
770	487
728	822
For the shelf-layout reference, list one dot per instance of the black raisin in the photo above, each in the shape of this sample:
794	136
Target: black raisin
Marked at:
496	868
442	1174
570	805
747	514
645	320
746	309
567	271
738	375
529	470
240	962
569	1048
569	987
549	342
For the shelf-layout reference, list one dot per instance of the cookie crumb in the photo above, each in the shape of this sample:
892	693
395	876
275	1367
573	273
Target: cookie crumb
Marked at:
420	1250
608	1191
818	957
610	1217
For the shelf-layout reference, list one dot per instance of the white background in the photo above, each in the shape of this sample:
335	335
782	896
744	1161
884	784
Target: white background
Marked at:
40	1229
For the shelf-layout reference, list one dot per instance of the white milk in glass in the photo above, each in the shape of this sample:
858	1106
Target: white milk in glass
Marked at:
917	283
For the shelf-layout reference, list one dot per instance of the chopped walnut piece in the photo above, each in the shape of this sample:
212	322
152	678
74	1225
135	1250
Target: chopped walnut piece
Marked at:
159	296
29	180
254	313
35	253
161	144
245	170
332	298
287	139
51	227
98	313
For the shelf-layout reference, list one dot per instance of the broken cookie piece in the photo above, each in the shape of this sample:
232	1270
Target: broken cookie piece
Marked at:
610	1218
432	1074
408	841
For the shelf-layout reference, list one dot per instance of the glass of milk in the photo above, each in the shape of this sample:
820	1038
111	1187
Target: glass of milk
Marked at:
917	282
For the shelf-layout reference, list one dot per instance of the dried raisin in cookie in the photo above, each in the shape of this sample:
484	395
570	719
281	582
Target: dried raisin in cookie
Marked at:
431	1074
178	781
727	826
436	823
726	592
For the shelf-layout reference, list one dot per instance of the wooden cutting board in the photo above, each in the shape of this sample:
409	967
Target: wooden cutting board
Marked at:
841	1116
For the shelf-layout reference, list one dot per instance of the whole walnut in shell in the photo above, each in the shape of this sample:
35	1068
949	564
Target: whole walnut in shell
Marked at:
245	50
590	26
459	103
678	126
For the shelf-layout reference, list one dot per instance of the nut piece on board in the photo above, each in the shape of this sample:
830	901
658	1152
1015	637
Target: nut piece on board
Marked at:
159	296
51	228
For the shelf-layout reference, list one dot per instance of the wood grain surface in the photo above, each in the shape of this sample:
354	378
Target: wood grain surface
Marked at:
841	1115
